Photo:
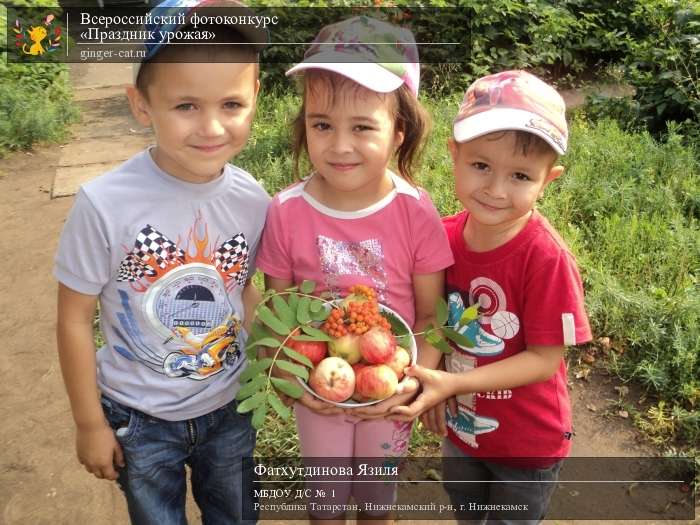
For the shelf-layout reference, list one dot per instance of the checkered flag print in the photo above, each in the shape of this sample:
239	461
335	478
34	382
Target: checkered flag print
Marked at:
150	241
231	258
150	245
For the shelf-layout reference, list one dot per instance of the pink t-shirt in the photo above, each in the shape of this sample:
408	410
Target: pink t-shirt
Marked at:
529	293
382	246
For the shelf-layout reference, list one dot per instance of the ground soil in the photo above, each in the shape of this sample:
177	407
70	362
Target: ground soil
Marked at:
41	481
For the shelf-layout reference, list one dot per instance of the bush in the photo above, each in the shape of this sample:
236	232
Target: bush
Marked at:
35	99
629	206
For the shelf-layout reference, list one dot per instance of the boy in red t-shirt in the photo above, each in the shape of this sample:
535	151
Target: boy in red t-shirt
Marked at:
515	295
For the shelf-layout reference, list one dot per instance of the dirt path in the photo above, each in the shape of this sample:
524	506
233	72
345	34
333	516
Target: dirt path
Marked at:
40	479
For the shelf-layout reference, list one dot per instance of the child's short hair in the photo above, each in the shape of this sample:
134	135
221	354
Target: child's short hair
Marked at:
246	41
514	101
410	118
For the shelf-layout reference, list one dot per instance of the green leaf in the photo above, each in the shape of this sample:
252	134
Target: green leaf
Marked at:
297	370
279	407
250	388
270	342
297	356
404	340
319	335
441	311
287	387
397	327
259	416
321	315
284	312
254	368
269	318
252	402
307	286
293	301
303	311
456	337
257	331
316	306
469	314
438	342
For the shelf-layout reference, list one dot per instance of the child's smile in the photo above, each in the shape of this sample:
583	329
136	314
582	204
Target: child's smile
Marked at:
351	139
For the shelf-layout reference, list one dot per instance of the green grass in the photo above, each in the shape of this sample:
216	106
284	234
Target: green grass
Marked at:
629	208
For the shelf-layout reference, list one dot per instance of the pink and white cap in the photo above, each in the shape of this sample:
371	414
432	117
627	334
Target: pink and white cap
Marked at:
376	55
513	100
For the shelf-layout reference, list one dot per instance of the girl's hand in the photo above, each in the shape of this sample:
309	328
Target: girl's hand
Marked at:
318	406
434	419
99	452
407	390
437	387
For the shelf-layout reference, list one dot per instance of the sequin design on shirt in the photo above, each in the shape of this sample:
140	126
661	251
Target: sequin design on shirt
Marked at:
352	258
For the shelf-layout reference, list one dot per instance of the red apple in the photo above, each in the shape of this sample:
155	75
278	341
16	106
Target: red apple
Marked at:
315	350
400	360
376	382
346	347
333	379
377	345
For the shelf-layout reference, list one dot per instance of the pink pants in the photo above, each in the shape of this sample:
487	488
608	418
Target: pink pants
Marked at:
348	441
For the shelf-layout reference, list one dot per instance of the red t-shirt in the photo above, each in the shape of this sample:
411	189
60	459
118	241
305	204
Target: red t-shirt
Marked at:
529	293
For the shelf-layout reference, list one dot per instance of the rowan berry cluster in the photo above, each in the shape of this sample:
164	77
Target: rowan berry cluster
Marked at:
358	314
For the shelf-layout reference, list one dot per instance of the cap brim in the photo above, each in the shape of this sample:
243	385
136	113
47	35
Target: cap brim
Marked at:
367	74
503	119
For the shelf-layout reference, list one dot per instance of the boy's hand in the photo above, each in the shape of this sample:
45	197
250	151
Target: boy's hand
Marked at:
406	391
437	387
99	452
434	419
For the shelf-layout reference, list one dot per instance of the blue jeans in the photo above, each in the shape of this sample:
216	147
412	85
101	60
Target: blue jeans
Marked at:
156	452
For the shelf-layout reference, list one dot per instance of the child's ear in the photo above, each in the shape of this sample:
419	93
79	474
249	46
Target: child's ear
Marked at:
554	173
452	146
138	105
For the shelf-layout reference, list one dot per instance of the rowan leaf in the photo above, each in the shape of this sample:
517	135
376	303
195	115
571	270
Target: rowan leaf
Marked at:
319	335
297	356
270	342
303	311
254	368
251	387
287	387
268	317
259	416
252	402
307	286
438	342
278	406
284	312
316	306
293	301
297	370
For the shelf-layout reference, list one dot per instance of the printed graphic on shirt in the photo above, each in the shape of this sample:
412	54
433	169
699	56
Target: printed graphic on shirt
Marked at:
484	326
185	301
352	258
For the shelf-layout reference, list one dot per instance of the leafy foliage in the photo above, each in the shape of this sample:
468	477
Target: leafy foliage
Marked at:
293	317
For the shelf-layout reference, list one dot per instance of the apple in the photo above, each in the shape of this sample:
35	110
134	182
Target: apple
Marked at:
377	345
346	347
333	379
376	382
315	350
400	360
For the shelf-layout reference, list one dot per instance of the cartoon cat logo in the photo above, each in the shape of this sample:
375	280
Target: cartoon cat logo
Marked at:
30	41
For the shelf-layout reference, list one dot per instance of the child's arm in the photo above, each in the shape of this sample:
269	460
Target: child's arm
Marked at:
251	297
535	364
96	444
306	399
428	288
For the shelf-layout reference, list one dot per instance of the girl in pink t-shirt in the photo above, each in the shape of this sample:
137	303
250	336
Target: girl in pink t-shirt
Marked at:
354	221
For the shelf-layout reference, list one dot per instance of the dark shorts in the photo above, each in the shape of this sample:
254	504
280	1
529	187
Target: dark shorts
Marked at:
482	490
